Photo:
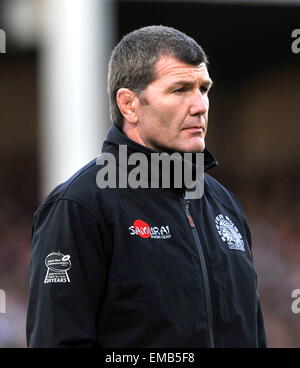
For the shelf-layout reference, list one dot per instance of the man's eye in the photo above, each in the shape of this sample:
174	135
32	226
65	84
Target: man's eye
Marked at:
183	89
203	89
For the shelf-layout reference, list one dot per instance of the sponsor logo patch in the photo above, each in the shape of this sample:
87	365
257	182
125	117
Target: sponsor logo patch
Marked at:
144	230
58	266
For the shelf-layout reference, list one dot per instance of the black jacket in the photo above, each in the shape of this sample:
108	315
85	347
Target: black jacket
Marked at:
141	267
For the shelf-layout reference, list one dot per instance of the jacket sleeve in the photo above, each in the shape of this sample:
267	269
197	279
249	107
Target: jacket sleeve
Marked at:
68	272
261	334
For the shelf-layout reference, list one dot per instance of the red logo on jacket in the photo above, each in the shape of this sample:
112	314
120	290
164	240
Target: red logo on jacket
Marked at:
144	230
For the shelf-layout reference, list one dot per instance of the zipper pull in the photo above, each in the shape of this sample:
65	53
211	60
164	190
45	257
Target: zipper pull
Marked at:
187	212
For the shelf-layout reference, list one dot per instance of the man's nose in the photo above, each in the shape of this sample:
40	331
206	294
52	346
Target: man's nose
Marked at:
199	103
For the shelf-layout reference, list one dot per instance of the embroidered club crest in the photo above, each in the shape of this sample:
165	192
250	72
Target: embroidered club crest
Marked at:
229	233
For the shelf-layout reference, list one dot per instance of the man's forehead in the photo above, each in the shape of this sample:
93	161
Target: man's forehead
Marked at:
168	66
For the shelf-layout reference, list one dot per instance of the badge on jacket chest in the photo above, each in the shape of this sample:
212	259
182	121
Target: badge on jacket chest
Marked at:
229	233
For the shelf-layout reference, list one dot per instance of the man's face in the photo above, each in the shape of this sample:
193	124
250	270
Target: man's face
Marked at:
173	109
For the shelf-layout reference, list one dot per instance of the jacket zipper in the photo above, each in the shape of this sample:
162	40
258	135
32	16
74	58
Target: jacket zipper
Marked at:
208	299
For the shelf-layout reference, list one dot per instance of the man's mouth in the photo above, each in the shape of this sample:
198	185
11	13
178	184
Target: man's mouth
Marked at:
194	129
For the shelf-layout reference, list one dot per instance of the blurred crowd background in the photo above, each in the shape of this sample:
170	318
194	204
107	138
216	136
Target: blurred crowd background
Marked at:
54	117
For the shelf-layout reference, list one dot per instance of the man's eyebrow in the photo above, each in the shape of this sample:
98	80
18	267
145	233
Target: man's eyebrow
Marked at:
183	82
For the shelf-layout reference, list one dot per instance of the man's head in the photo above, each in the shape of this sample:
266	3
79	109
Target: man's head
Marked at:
158	84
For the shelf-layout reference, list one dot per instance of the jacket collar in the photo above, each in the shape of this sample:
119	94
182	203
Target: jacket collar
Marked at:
116	137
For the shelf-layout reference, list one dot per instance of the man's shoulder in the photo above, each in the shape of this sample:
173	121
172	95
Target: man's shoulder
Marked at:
76	186
82	189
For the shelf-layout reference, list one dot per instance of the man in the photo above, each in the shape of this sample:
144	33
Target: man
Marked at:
146	267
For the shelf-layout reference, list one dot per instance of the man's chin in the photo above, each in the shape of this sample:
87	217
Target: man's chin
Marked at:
191	150
195	148
185	148
196	145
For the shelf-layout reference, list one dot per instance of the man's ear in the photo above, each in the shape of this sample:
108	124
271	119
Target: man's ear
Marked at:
127	100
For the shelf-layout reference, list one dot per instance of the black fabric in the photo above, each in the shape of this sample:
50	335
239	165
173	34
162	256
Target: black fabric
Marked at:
134	276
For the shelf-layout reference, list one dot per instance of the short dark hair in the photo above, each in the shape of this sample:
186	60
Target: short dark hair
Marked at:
132	61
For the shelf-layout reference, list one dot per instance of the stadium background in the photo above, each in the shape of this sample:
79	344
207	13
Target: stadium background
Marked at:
54	116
